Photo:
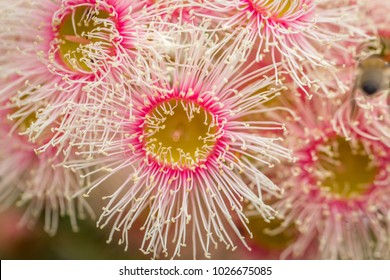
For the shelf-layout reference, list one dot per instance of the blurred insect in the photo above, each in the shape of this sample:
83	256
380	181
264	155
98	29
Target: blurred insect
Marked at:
373	74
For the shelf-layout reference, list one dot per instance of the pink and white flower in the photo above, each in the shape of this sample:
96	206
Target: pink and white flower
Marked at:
59	54
38	181
190	149
300	34
337	192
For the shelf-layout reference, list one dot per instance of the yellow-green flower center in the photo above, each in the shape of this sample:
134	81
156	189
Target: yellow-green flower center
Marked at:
25	123
84	37
266	237
346	170
180	133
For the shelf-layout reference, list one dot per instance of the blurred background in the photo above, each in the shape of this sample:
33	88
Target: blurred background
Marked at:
89	243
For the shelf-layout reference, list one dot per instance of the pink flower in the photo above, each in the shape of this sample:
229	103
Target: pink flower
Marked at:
190	149
301	34
38	181
337	192
61	54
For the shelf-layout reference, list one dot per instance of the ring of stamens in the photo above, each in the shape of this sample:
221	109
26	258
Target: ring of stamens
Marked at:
345	170
180	134
85	37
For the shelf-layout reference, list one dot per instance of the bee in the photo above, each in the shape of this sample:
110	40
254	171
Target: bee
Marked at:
373	75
